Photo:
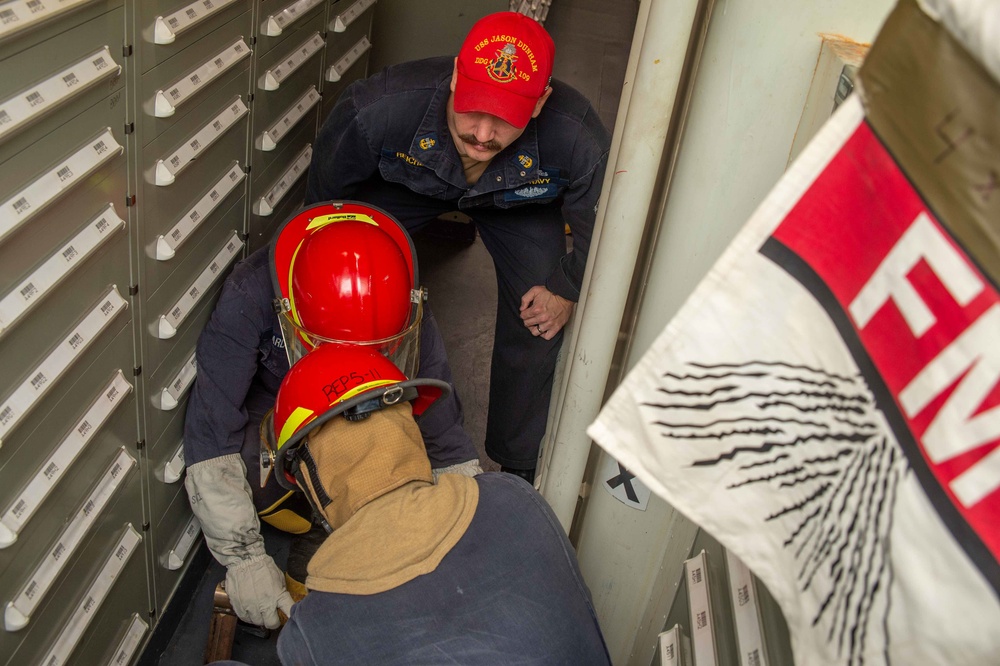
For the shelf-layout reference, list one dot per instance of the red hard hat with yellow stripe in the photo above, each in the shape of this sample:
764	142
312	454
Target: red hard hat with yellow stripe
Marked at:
344	272
332	381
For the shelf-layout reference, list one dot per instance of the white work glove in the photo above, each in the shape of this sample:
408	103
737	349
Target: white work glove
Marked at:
221	499
467	468
256	588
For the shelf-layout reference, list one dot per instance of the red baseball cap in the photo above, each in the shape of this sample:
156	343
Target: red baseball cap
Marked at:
504	67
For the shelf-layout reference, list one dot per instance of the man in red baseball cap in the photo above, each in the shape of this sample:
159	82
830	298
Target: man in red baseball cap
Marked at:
491	134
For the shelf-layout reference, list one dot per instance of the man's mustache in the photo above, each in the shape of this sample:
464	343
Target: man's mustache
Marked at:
492	144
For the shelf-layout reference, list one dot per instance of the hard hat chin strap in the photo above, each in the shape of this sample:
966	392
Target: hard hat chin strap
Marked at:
314	486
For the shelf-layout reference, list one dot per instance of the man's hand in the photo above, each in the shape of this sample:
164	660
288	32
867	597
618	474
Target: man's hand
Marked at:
544	313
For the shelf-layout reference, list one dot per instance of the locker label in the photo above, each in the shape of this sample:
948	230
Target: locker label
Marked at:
166	28
339	68
168	168
130	642
18	612
166	101
745	613
50	186
171	395
348	16
174	467
179	553
276	23
270	139
44	278
31	498
56	90
166	246
670	647
700	608
26	396
21	14
169	323
92	600
267	203
273	77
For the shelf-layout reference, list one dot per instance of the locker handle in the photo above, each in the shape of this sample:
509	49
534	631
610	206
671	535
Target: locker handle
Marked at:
86	608
337	70
349	15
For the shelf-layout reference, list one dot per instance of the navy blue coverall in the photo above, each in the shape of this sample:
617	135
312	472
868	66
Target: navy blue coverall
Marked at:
509	592
387	143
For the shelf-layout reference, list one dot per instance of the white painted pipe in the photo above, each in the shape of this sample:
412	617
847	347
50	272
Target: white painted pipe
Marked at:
652	79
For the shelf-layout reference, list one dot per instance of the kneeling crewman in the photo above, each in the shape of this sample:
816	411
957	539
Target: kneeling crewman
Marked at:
464	570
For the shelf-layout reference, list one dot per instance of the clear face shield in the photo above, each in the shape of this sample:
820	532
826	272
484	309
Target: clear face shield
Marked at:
403	348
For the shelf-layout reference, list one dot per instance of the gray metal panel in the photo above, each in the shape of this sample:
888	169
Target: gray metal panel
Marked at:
280	114
48	226
125	597
229	216
164	535
169	437
186	270
55	23
175	353
179	68
22	463
62	408
24	71
24	455
332	91
262	226
163	206
338	43
269	105
20	361
204	22
53	228
287	47
268	8
25	344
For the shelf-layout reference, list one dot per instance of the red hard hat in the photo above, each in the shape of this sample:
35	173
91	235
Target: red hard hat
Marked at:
344	272
335	379
350	281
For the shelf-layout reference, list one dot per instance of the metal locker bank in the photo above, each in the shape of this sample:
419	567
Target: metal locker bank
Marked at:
145	147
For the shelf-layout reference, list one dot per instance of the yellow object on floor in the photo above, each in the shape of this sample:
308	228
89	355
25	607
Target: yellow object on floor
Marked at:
295	588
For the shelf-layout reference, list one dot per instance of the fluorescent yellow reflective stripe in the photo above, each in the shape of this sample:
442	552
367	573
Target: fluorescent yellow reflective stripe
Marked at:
300	415
361	388
295	420
324	220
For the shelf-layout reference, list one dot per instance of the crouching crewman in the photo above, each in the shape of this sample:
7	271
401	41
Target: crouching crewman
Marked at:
467	570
